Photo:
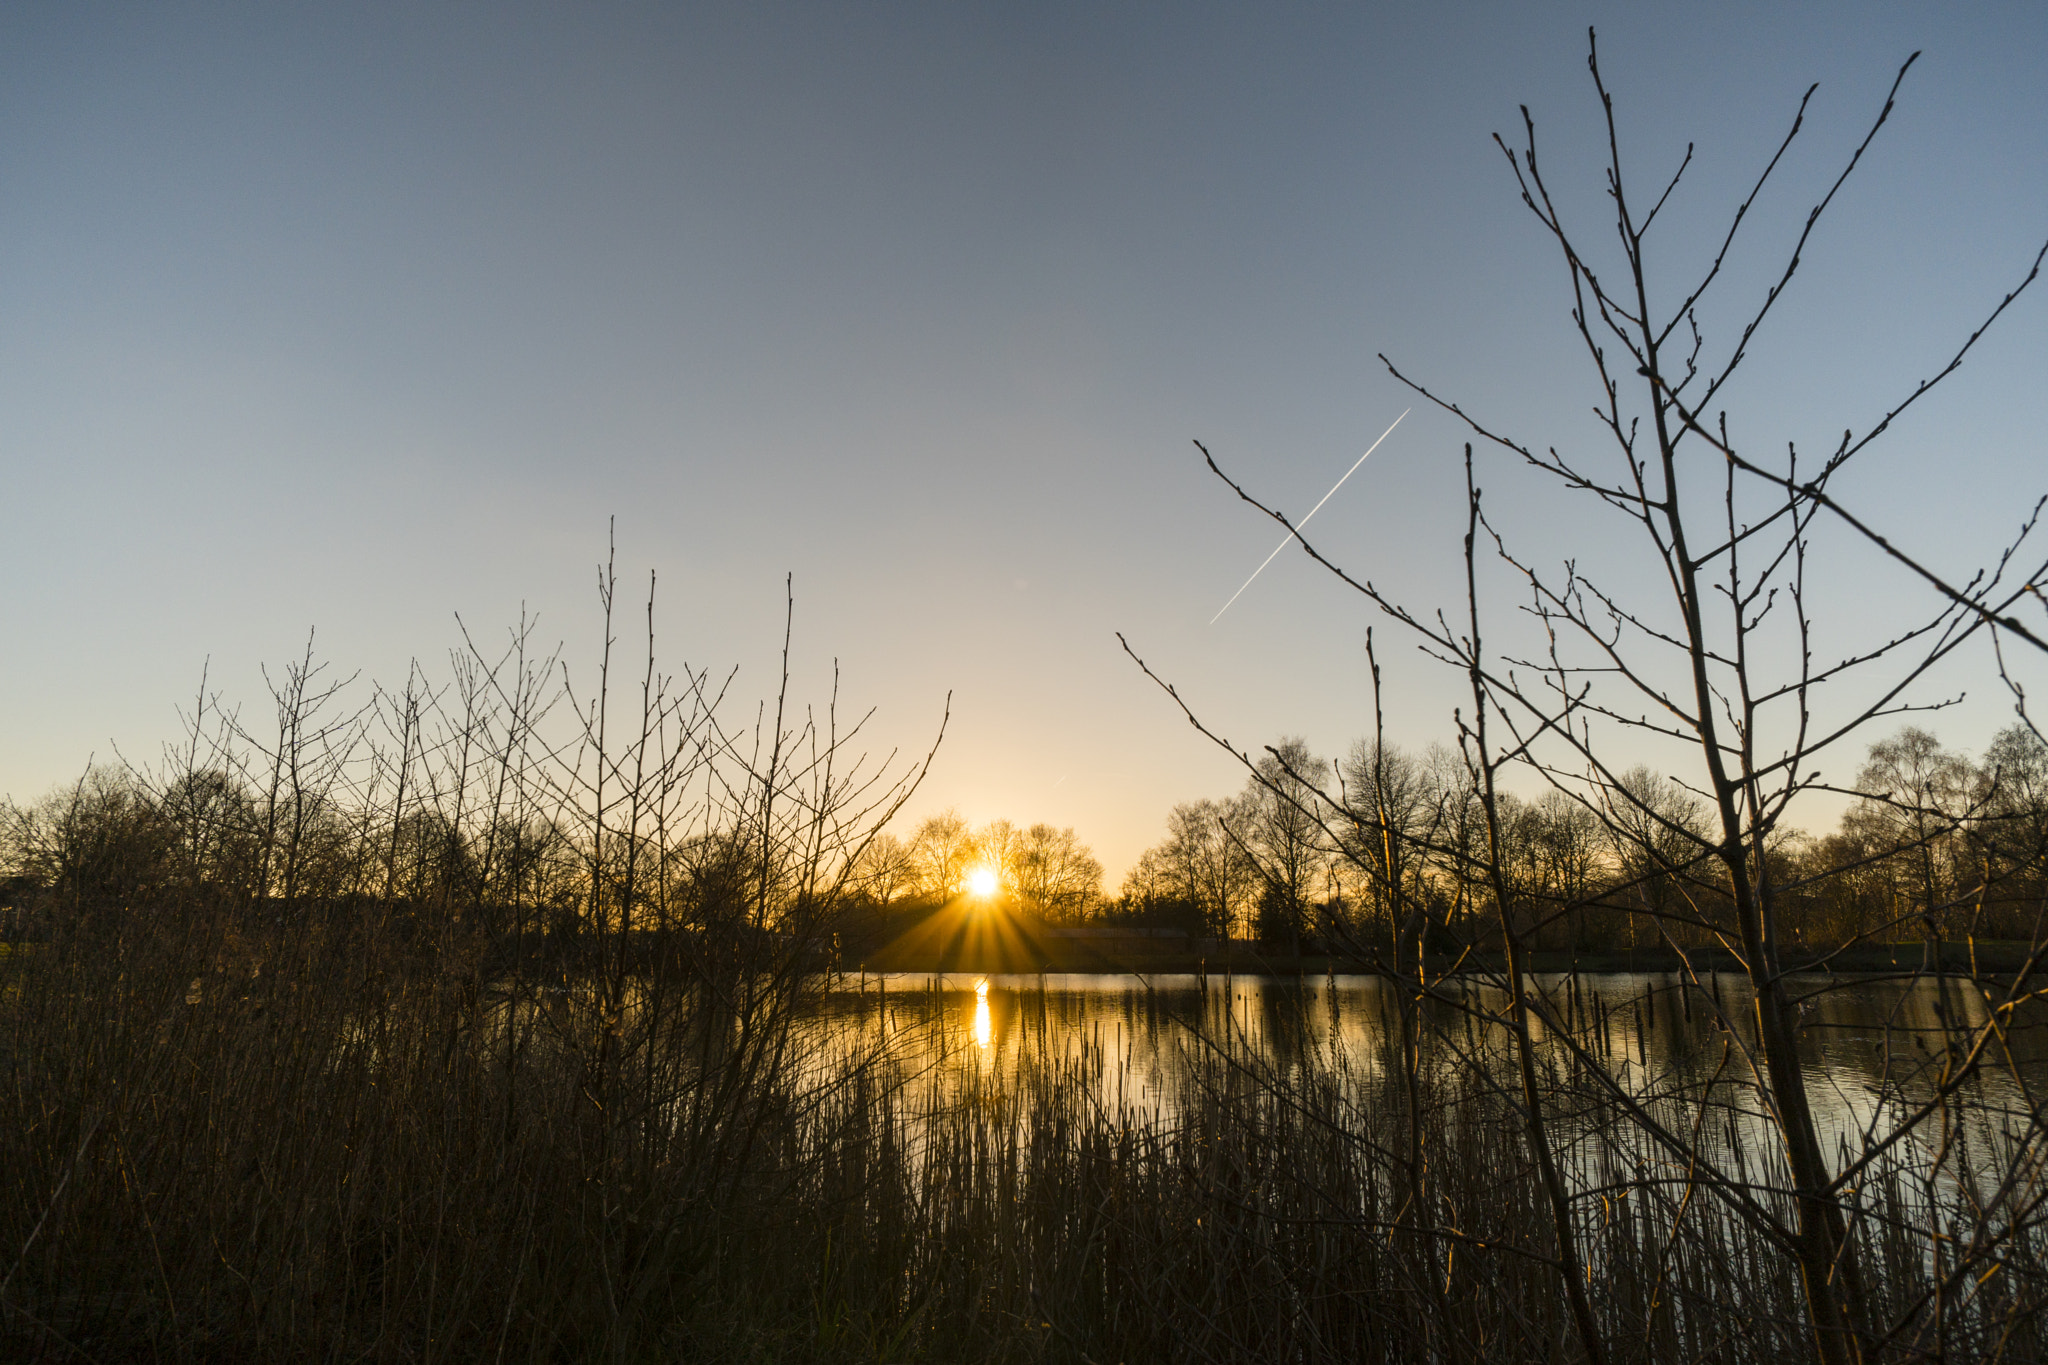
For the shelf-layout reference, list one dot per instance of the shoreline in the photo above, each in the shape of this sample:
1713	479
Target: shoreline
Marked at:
1989	957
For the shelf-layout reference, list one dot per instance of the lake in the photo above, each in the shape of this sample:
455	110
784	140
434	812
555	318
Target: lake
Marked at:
1871	1046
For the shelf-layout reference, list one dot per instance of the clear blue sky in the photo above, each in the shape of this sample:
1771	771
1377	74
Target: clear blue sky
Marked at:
355	317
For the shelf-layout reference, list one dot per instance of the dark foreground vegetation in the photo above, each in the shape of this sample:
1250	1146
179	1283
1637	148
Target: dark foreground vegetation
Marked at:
230	1138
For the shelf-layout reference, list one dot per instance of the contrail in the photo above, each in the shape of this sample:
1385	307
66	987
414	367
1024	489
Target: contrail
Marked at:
1311	512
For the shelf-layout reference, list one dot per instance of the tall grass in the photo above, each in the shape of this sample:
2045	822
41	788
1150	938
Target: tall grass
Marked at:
216	1149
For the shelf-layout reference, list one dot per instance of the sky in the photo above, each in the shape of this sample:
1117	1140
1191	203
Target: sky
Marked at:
354	319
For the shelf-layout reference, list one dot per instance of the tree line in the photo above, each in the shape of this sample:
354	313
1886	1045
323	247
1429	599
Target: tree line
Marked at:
1042	869
1311	853
1328	853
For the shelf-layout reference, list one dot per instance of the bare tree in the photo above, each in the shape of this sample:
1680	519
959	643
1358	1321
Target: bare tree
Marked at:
940	851
1398	815
884	872
1918	799
1201	866
1286	839
1055	874
1208	857
1704	653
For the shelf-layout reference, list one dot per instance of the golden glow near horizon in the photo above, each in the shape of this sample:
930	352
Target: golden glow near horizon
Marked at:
982	881
983	1029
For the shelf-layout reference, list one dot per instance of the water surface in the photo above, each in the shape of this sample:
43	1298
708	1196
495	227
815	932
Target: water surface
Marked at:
1873	1048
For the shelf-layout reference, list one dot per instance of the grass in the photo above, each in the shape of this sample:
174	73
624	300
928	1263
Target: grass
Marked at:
236	1148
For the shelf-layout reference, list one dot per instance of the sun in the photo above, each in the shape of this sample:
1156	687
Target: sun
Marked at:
982	881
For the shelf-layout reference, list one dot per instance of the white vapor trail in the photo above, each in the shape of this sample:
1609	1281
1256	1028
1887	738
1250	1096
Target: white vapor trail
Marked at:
1311	512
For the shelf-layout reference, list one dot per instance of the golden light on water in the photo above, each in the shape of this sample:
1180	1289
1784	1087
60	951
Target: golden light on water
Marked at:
982	881
983	1030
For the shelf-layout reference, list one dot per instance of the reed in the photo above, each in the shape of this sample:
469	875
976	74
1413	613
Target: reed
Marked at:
309	1153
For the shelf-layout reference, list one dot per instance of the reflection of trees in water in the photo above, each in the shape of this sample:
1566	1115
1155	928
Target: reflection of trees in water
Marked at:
1876	1044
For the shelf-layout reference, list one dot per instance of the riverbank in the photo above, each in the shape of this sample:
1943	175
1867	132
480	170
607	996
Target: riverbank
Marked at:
1155	956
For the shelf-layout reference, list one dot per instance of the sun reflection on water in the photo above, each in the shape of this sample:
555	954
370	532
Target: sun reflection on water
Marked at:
1131	1036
